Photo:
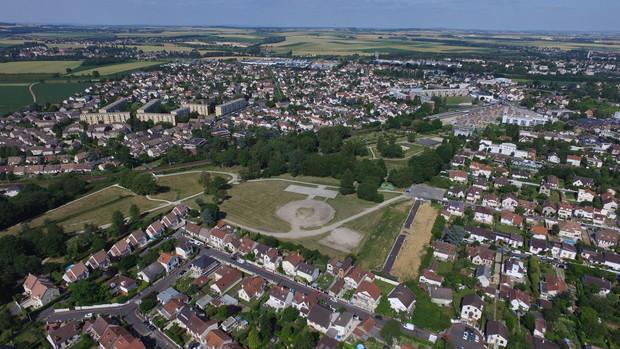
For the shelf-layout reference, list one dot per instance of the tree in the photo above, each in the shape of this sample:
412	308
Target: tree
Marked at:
368	191
346	183
118	224
134	214
390	330
144	184
95	73
254	341
210	214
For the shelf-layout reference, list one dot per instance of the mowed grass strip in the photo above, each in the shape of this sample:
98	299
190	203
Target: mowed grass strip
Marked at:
254	204
38	67
410	256
119	68
380	228
96	209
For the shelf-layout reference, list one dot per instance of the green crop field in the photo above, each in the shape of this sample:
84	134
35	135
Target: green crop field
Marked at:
57	91
13	97
119	68
38	67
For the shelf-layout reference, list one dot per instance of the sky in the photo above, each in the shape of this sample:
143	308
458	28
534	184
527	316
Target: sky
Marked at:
509	15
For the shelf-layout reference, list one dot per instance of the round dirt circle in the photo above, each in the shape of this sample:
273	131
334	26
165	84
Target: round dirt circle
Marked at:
306	213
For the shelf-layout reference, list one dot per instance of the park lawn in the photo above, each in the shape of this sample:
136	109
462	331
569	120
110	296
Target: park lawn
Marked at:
57	91
348	205
179	186
119	68
13	97
38	67
379	228
96	208
254	204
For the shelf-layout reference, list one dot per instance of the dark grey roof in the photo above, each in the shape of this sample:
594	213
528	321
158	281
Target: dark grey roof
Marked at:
404	294
473	300
320	316
496	327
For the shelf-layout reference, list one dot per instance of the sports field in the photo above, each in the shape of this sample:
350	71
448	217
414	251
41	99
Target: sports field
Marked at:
118	68
38	67
96	208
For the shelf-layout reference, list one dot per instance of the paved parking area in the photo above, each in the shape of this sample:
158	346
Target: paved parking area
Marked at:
312	191
423	191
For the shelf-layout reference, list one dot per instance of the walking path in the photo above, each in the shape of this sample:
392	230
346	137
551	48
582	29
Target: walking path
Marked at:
300	234
34	96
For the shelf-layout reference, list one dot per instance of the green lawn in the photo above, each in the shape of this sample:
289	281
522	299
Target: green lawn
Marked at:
347	206
380	228
38	67
13	97
55	92
255	203
118	68
427	314
180	186
96	209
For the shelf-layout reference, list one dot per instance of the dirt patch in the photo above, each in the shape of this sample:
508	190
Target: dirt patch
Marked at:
306	213
408	260
342	239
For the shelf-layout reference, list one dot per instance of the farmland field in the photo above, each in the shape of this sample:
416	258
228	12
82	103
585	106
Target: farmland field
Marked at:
38	67
118	68
56	91
13	97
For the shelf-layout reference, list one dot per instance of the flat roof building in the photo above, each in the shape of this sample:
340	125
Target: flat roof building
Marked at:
230	107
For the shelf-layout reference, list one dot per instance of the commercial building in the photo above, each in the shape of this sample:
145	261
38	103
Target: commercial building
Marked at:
230	107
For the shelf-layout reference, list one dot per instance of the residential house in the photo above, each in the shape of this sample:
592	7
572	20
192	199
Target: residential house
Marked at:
440	295
40	292
510	203
539	232
483	215
606	238
169	261
444	251
483	275
271	259
429	277
471	308
342	325
514	269
457	176
217	339
552	286
120	284
565	210
225	279
202	265
98	260
252	288
171	220
216	238
155	229
603	286
280	297
496	334
401	299
585	195
356	276
137	239
151	272
481	255
319	318
307	272
290	263
76	272
563	251
120	249
511	219
366	296
64	336
304	302
570	231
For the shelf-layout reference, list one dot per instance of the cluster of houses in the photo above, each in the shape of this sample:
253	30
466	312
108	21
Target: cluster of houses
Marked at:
108	333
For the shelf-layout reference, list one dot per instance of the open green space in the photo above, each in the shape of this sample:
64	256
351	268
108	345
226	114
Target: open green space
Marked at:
96	209
118	68
13	97
179	186
255	203
38	67
57	91
379	228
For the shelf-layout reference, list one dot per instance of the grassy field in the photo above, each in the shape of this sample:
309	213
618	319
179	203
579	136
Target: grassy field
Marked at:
57	91
255	203
13	97
379	229
408	260
179	186
38	67
311	179
119	68
96	208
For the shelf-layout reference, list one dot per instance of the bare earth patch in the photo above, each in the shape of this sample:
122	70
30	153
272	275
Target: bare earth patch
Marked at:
342	239
306	213
408	260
